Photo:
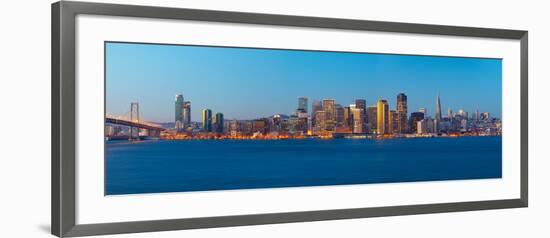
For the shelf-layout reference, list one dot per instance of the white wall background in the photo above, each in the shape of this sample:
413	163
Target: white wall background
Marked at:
25	117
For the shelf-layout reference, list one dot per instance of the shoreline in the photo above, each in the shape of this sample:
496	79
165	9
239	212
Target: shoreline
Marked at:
347	137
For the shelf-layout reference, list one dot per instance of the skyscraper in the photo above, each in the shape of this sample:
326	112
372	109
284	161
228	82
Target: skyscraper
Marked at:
207	120
382	109
438	109
402	122
320	121
357	115
348	117
302	104
339	115
315	107
362	105
372	116
329	107
179	112
218	126
186	114
393	122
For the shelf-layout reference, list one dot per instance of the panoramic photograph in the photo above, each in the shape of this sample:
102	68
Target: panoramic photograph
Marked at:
187	118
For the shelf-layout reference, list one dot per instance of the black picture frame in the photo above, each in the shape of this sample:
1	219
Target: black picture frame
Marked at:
64	133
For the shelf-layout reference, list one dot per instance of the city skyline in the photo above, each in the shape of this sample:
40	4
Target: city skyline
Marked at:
261	97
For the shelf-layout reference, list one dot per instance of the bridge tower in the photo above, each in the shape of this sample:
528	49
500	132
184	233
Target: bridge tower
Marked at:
134	117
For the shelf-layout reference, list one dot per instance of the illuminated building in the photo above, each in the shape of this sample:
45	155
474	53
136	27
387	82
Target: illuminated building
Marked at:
315	106
179	124
247	127
260	125
402	121
415	118
320	121
234	128
382	109
186	114
361	104
329	107
348	118
297	124
207	120
372	115
302	104
357	115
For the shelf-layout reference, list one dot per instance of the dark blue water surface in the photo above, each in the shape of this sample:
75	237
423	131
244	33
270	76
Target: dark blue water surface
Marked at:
198	165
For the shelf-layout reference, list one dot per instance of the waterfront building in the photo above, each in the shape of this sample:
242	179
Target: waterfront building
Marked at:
450	113
320	121
219	123
276	121
394	122
247	127
297	124
179	112
362	105
234	127
372	118
186	114
207	120
348	118
357	116
415	118
464	125
421	127
329	107
260	126
303	122
339	115
426	126
315	107
383	125
302	104
402	121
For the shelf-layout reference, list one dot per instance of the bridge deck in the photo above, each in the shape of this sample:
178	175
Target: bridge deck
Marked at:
132	124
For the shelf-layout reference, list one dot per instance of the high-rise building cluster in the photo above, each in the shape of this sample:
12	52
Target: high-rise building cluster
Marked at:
183	114
327	118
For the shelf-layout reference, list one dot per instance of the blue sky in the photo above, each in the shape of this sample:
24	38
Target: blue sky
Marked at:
250	83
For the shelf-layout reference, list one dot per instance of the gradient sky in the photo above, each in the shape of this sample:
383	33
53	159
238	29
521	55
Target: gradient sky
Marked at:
248	83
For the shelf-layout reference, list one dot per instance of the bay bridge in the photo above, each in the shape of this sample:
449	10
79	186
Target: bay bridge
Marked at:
132	120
